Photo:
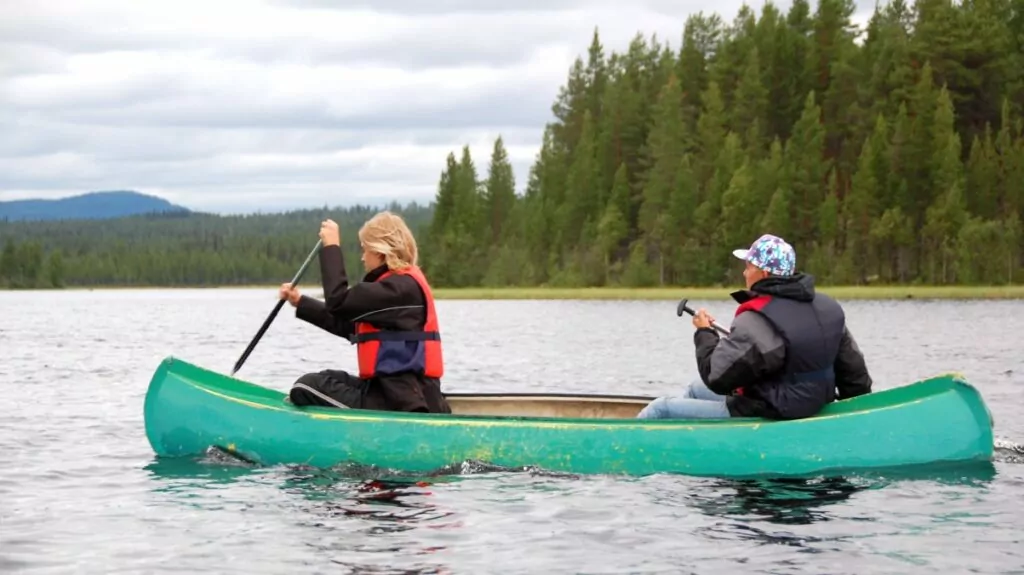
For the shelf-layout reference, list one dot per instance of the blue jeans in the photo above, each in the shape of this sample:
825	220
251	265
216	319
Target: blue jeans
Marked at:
698	402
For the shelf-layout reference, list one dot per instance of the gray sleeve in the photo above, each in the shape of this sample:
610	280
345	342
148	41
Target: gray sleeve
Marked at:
852	378
752	351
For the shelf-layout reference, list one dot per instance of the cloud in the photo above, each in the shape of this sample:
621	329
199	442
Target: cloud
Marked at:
239	105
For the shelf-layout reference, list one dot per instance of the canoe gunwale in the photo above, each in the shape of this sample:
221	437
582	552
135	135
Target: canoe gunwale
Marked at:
269	398
551	396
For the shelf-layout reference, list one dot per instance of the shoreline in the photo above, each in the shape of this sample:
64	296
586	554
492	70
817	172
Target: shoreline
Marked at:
889	292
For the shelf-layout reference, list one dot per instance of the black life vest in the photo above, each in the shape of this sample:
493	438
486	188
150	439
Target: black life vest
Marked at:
812	332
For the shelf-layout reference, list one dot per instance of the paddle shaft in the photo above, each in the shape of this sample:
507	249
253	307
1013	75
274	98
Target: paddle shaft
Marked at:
277	308
682	307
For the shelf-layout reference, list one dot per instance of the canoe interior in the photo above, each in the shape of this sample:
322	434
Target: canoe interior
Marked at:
556	405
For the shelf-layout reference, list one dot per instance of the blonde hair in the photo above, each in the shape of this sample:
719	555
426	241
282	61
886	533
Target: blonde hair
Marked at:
387	235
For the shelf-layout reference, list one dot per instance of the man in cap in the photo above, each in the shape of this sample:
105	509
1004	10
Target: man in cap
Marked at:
788	353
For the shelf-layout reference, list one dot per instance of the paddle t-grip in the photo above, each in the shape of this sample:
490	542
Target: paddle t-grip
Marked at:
682	307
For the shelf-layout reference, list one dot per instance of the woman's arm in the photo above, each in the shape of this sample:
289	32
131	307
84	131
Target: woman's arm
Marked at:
350	302
315	312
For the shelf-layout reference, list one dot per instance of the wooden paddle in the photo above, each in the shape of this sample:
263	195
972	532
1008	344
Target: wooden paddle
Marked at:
277	308
683	307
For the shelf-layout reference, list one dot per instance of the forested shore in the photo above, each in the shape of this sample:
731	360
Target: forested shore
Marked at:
895	157
180	250
892	155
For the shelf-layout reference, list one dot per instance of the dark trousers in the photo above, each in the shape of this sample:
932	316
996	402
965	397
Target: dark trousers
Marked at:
405	391
330	388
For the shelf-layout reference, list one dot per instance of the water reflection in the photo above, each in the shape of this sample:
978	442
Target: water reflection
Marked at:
357	569
214	469
783	501
349	490
796	502
397	504
375	517
801	501
748	503
348	511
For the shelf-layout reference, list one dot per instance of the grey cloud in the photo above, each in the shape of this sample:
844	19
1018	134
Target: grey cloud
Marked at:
242	120
43	49
19	59
211	184
431	36
20	33
515	108
437	40
231	170
242	199
157	142
25	137
188	160
464	40
373	187
491	6
676	9
219	171
438	6
162	103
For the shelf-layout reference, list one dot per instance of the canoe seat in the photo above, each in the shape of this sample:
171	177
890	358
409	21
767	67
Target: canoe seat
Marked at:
547	405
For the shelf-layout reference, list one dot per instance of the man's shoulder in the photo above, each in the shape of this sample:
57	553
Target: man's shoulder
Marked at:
823	301
751	321
757	330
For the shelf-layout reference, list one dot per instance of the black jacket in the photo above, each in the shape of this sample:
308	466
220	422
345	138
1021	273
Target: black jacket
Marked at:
754	356
395	303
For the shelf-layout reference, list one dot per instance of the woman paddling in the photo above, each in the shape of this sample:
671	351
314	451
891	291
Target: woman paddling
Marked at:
390	316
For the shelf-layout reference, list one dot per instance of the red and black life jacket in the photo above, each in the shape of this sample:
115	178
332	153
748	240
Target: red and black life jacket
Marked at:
812	331
383	352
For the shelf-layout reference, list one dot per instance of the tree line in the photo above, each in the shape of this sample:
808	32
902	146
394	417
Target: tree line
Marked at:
181	250
889	155
895	155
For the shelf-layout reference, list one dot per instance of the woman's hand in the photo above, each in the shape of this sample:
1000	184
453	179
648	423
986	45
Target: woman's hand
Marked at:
289	293
329	233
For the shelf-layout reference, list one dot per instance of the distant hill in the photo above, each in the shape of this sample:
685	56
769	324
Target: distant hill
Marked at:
89	206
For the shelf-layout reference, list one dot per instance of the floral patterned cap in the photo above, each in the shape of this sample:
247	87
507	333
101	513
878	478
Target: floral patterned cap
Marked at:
770	253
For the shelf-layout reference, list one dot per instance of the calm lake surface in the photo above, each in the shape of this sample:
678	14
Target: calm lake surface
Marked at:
81	491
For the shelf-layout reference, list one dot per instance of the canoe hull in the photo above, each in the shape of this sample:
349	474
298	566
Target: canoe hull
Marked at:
943	419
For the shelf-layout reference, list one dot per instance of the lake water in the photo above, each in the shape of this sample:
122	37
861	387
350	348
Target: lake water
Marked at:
81	491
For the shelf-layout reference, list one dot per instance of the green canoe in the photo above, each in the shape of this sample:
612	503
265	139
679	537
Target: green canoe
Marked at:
189	409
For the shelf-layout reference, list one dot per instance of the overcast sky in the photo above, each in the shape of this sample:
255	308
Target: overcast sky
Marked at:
243	105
